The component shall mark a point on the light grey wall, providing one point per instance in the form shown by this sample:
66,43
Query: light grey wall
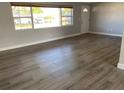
11,38
107,18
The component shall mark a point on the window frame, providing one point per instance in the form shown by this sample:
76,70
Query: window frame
72,16
23,17
31,17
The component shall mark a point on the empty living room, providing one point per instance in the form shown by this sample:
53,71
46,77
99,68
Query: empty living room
61,45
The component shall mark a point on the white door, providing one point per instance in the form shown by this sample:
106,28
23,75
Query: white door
85,14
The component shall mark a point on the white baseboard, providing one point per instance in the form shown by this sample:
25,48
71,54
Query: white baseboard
100,33
38,42
120,66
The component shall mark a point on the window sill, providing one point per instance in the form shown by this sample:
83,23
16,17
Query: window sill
32,29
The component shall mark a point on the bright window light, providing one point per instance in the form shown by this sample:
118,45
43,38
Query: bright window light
42,17
26,17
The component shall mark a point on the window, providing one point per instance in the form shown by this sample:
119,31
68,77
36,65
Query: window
41,17
66,16
22,17
45,17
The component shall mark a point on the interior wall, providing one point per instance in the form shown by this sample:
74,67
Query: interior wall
11,38
107,18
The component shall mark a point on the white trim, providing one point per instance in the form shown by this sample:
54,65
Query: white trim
38,42
120,66
101,33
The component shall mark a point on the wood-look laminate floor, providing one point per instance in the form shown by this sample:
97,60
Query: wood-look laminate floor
84,62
